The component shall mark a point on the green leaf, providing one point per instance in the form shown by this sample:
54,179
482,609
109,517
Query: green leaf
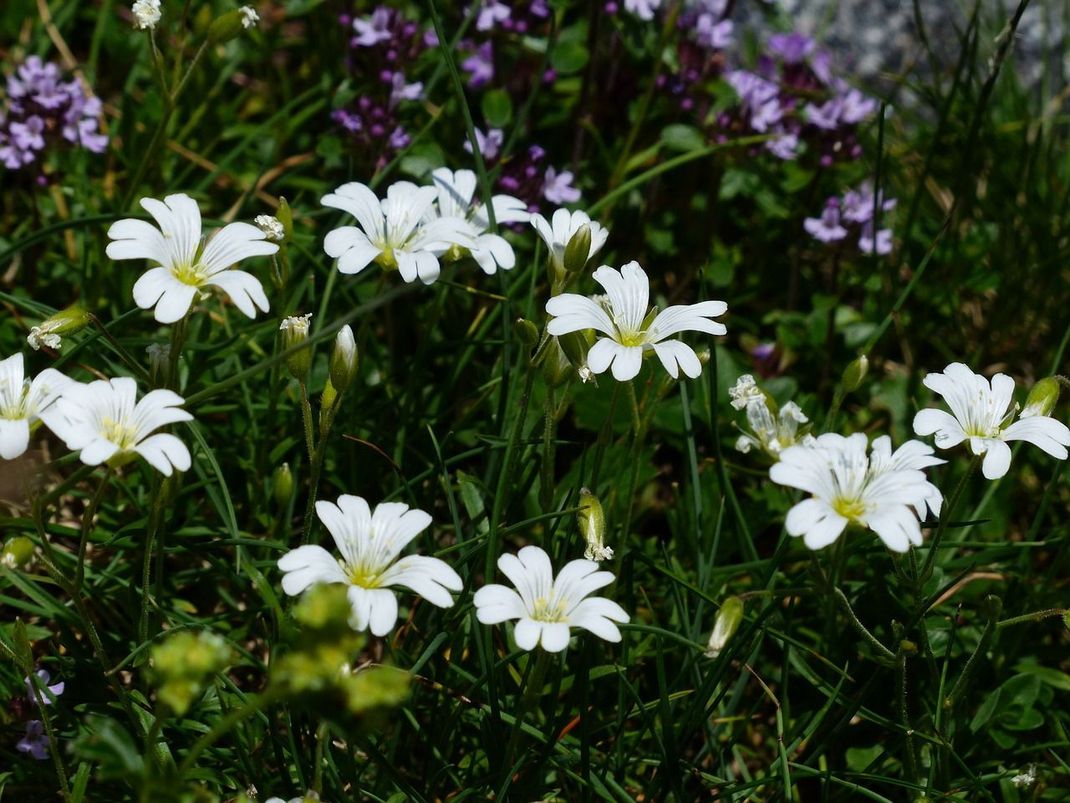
680,137
1052,677
497,108
570,55
985,712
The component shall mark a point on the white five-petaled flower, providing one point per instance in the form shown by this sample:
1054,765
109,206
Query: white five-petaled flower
982,412
370,542
882,491
546,607
559,230
456,201
772,430
184,265
249,17
624,320
393,232
146,14
23,403
104,422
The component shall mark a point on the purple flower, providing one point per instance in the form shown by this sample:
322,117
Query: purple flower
557,187
883,242
858,204
43,678
399,90
490,144
491,12
713,34
826,228
784,147
35,742
399,138
791,48
826,116
643,9
480,66
373,29
856,107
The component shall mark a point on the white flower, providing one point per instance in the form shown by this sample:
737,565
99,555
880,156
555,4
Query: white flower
296,325
146,14
1024,780
744,392
185,266
43,336
643,9
393,232
249,17
271,226
547,607
628,332
456,200
881,491
23,403
102,421
982,412
771,430
370,542
559,230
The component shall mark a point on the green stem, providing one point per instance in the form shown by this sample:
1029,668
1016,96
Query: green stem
306,417
863,631
224,726
494,537
317,770
905,649
532,691
87,526
945,516
549,435
155,520
982,646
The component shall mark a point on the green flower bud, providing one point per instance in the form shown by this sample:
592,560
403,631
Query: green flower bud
295,332
576,345
556,368
285,216
328,399
592,523
1042,398
344,360
527,332
183,663
65,322
854,374
324,608
282,485
991,606
17,553
725,625
578,250
226,27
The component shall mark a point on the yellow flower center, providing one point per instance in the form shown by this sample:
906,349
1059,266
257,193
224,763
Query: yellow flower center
851,509
631,338
119,432
548,610
360,576
189,274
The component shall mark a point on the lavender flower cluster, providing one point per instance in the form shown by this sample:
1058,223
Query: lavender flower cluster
699,53
35,741
793,95
43,109
853,216
494,16
381,43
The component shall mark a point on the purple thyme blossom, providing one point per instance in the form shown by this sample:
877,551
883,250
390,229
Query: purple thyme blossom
643,9
826,228
42,109
856,107
713,34
490,144
399,90
760,98
865,240
491,12
43,678
557,187
785,146
480,65
373,29
858,204
791,48
35,742
373,127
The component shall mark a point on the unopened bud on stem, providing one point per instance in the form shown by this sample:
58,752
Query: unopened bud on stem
344,359
725,625
295,332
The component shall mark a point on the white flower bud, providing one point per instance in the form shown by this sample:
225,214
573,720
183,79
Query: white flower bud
146,14
724,627
295,332
249,17
272,227
592,521
343,364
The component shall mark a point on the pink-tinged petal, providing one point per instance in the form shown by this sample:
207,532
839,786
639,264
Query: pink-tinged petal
1043,432
526,634
306,566
497,603
555,636
997,459
152,284
175,302
243,289
14,437
162,451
